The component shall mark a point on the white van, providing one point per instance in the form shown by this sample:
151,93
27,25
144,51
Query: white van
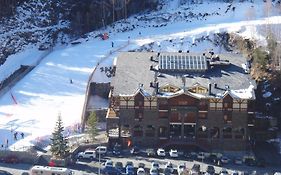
46,170
101,150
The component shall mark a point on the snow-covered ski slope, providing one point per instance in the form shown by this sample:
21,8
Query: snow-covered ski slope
33,104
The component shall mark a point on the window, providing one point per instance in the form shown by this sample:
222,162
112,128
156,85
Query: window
239,133
139,114
227,132
162,131
215,133
137,131
226,105
150,130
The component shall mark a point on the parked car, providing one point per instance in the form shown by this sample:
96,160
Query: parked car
195,169
150,152
108,163
141,165
181,167
173,153
110,171
88,154
249,160
223,172
154,171
140,171
161,152
101,150
117,149
210,169
155,165
119,166
238,161
130,170
170,167
213,158
201,156
129,163
188,156
235,173
135,150
166,171
225,160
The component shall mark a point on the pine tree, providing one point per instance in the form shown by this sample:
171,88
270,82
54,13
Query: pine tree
92,125
59,145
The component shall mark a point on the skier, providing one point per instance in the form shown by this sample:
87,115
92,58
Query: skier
16,136
22,135
112,44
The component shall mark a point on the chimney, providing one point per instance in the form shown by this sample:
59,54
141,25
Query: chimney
226,87
216,85
151,58
210,89
157,88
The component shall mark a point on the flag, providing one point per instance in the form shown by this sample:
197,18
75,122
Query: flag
129,143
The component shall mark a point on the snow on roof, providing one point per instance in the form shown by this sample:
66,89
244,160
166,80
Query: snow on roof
243,93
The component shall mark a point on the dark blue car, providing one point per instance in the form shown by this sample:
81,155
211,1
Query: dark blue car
109,170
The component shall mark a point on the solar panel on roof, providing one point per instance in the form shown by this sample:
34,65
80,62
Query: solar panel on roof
182,62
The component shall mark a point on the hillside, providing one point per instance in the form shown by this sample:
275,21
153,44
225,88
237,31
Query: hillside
39,24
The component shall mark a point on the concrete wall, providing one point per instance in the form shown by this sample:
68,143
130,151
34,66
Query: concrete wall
23,157
101,89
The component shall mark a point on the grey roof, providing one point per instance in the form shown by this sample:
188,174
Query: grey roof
134,68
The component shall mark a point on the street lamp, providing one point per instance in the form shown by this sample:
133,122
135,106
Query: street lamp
99,159
103,23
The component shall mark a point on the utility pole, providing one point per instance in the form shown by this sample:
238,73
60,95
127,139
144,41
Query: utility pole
99,160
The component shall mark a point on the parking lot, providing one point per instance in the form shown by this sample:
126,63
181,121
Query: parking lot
142,157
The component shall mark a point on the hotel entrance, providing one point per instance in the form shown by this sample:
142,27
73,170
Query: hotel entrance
182,123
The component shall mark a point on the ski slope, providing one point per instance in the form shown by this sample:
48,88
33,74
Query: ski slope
33,104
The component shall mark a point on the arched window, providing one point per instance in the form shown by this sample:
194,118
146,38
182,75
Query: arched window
227,132
239,133
215,133
150,131
162,132
137,131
